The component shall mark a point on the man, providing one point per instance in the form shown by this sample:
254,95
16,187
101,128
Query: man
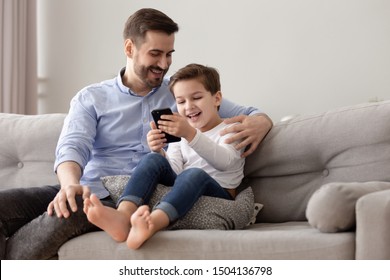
105,134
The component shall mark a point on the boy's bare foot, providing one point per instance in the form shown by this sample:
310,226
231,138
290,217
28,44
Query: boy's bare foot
115,223
142,227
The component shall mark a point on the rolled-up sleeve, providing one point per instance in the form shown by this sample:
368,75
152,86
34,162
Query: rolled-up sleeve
77,136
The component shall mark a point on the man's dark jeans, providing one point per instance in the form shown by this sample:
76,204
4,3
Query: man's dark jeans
28,232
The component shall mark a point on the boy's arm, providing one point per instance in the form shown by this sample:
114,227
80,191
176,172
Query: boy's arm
220,155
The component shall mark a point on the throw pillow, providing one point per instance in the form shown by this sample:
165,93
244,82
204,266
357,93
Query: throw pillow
332,207
207,213
258,207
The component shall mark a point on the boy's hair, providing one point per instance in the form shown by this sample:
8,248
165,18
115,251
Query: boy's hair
208,76
145,20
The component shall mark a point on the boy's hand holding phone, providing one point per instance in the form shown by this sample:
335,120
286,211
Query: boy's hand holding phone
157,116
174,126
156,138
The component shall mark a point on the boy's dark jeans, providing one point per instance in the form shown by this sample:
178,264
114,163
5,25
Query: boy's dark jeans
28,232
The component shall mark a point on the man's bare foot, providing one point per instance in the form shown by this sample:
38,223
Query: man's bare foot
115,223
142,227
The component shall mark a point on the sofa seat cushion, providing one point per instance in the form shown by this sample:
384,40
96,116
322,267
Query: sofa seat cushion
283,241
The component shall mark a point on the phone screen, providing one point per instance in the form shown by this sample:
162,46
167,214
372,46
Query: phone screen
157,115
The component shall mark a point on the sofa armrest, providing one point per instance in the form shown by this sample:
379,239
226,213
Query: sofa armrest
373,226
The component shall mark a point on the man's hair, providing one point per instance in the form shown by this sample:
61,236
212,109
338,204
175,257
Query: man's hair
145,20
208,76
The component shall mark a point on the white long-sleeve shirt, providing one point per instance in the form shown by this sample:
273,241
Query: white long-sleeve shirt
209,152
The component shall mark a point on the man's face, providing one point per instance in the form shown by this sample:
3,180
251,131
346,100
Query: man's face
153,57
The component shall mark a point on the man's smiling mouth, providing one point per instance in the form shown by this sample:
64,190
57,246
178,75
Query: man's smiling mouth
156,71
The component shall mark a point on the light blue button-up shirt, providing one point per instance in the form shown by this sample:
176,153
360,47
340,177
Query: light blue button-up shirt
106,127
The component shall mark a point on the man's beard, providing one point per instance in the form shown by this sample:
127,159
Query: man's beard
142,72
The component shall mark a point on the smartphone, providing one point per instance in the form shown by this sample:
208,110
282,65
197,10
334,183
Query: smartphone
156,117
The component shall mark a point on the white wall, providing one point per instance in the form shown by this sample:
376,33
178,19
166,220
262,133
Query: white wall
286,57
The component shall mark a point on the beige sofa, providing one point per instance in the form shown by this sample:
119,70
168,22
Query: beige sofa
323,181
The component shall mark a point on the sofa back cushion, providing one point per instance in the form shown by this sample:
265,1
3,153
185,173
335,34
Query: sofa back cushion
298,156
27,147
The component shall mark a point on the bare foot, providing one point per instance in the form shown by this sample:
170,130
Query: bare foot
115,223
142,227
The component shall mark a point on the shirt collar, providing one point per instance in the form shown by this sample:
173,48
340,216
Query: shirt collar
127,90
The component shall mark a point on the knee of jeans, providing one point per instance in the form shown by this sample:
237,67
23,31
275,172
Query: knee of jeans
79,212
153,156
152,160
194,173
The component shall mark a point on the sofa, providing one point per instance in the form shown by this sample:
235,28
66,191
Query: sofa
323,181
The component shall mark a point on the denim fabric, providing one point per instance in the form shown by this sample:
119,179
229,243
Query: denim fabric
151,170
187,187
29,231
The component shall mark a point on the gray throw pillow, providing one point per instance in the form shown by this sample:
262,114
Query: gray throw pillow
207,213
332,207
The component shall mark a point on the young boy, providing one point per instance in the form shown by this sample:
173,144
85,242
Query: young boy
200,164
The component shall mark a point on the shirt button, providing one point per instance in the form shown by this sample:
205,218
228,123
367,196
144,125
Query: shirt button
20,164
325,172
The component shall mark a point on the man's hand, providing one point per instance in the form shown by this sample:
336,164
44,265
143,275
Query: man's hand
67,195
249,131
69,174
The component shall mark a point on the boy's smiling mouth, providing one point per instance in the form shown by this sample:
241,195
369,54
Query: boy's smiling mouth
193,116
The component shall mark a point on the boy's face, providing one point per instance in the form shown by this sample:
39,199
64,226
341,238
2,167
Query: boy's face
197,104
152,58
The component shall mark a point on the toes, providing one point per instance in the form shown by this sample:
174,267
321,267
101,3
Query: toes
95,200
